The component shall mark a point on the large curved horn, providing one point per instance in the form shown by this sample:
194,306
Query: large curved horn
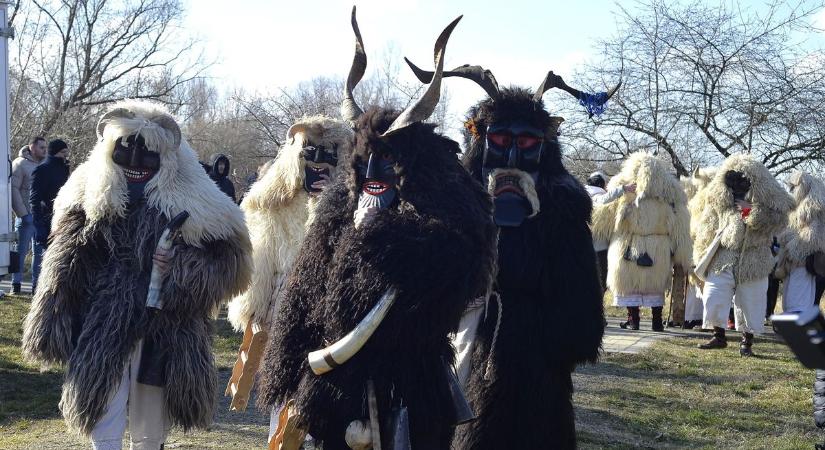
110,115
593,102
326,359
480,75
349,109
424,107
168,123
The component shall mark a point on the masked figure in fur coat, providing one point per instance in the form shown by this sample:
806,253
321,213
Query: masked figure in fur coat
742,209
278,207
90,312
277,210
802,242
649,234
516,351
402,241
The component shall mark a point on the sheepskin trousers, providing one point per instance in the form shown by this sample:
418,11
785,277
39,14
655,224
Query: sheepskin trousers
749,302
144,405
693,303
799,290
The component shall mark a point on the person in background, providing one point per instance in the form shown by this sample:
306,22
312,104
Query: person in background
595,187
220,173
21,177
47,179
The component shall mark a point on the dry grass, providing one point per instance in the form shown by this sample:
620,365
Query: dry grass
671,396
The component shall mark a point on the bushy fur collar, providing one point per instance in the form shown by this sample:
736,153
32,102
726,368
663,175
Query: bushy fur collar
765,190
98,185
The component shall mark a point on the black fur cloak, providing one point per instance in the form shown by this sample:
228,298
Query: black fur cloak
436,247
89,310
550,306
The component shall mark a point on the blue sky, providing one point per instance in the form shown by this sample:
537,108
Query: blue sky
263,45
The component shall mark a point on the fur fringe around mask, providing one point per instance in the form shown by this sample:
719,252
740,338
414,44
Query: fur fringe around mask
89,310
277,209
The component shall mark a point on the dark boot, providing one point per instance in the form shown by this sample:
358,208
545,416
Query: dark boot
745,347
15,288
731,320
718,340
657,318
691,324
632,318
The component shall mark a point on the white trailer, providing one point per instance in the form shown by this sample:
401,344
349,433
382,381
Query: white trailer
7,236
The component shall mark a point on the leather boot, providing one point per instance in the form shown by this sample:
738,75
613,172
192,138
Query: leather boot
632,318
15,288
745,347
657,318
718,340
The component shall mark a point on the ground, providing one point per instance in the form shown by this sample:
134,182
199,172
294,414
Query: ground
669,395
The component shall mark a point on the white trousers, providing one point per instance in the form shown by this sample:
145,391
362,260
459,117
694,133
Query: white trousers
146,410
693,303
749,302
645,300
799,290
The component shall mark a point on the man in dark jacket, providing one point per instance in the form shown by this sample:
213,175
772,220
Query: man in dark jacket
219,173
47,179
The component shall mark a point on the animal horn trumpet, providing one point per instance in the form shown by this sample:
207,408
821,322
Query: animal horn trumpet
326,359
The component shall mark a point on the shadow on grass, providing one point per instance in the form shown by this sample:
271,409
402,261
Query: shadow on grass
598,428
27,394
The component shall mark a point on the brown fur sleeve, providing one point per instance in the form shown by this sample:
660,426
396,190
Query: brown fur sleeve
201,279
68,268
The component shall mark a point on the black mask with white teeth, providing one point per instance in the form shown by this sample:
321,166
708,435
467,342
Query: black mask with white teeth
138,163
319,164
380,180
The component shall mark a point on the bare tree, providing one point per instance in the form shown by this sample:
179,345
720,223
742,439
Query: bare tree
72,56
702,82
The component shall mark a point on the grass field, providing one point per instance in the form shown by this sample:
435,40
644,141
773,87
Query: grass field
670,396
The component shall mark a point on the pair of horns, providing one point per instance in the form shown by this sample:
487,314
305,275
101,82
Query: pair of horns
417,112
487,81
165,122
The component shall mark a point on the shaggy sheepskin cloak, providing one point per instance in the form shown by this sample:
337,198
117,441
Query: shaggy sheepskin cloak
89,310
654,221
805,234
436,247
745,246
549,316
277,209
